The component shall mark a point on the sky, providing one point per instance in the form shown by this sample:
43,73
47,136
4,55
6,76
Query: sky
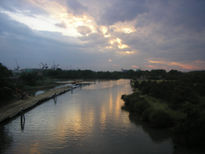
107,35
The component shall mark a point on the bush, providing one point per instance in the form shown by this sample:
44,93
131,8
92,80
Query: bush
157,113
5,76
191,131
135,103
6,93
6,84
30,78
160,118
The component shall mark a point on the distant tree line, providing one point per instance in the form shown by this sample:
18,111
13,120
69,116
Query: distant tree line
34,77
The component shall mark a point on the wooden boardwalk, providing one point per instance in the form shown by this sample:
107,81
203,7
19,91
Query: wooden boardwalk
16,108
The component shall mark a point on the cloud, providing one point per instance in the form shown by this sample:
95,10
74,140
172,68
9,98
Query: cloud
16,40
120,10
25,5
62,25
184,13
84,30
194,65
170,32
76,7
135,67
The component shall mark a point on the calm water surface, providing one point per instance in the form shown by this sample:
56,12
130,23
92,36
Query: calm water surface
87,121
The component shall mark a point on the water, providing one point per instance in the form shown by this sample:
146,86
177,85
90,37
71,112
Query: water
39,92
85,121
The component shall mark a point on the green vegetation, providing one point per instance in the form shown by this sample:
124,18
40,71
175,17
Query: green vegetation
5,83
21,83
172,100
151,110
86,74
15,86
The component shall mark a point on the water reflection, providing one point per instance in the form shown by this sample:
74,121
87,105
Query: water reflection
5,139
23,120
55,99
35,148
89,120
71,90
157,135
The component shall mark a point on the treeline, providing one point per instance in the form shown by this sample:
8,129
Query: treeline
27,79
15,84
176,101
89,74
6,86
34,76
84,74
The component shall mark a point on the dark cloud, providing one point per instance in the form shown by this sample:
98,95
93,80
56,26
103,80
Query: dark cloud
10,27
76,7
11,4
123,10
190,14
176,30
184,13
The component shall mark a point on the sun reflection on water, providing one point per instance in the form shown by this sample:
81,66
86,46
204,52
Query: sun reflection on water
74,118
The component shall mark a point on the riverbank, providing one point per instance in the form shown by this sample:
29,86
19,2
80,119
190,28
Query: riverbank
157,113
173,105
16,108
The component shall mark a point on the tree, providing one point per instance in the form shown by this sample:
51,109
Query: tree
6,85
5,76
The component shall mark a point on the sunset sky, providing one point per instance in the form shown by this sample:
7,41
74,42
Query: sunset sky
103,34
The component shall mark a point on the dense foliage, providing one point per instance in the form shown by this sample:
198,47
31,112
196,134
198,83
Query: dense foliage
173,100
6,85
86,74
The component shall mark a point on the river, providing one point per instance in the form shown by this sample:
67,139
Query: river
87,120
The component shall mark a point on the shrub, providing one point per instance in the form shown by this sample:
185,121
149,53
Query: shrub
191,131
30,78
160,118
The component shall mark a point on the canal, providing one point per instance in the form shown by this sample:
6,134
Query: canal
87,120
